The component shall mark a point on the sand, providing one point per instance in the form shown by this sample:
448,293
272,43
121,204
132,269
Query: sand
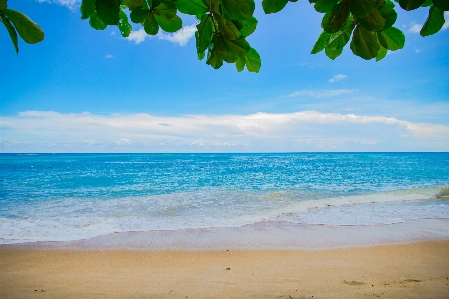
413,270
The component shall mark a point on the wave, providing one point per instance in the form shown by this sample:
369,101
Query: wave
74,218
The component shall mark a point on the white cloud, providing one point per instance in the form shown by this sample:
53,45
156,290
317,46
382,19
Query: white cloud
138,36
446,17
113,33
322,93
417,51
337,78
47,131
180,37
69,3
109,56
123,141
415,28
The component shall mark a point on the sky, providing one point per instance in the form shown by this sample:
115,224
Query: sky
83,90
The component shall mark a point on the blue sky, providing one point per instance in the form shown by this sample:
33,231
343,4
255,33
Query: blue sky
82,90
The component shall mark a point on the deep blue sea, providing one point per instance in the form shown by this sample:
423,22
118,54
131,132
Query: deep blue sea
47,197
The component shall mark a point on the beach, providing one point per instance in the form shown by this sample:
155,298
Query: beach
299,225
267,260
412,270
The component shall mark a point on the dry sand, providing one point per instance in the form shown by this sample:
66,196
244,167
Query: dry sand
416,270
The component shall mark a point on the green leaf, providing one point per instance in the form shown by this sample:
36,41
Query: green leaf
215,60
411,4
361,8
108,11
204,33
339,39
96,23
389,3
321,42
12,32
336,19
139,15
87,8
215,55
29,31
441,4
4,4
239,9
154,3
246,27
381,53
392,39
166,10
225,53
372,22
427,3
325,5
134,4
240,64
390,16
434,22
273,6
150,25
200,54
379,4
123,25
364,43
253,61
229,58
192,7
332,54
238,47
169,25
216,6
227,28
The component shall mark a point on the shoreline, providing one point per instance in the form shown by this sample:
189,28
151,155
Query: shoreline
412,270
266,235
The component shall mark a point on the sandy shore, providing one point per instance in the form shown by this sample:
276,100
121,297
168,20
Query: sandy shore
414,270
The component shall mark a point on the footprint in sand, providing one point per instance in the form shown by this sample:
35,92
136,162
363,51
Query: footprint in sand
353,283
411,280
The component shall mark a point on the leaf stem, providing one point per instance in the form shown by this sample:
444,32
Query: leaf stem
211,14
215,26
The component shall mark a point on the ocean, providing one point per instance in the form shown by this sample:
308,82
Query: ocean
62,197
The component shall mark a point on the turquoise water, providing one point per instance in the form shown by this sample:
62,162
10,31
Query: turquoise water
75,196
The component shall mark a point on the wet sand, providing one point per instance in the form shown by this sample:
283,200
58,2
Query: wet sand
412,270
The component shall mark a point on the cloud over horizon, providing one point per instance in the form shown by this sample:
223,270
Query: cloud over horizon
48,131
322,93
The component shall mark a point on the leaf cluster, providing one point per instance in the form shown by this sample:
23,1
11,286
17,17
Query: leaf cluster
222,32
222,29
16,22
368,24
224,25
102,13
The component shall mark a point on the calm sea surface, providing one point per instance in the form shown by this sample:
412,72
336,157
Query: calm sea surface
76,196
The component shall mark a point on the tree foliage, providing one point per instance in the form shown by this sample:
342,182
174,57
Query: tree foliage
224,25
16,22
